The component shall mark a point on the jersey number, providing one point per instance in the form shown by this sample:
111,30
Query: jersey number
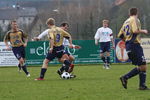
57,37
126,29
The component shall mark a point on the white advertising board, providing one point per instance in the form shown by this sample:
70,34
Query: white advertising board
146,48
7,57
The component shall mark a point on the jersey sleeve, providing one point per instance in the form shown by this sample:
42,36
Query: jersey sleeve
44,33
24,35
121,33
7,37
97,35
65,34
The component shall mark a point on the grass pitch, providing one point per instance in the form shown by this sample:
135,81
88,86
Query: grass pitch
92,83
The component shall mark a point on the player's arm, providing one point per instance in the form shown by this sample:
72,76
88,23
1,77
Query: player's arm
97,37
112,40
67,36
121,34
44,33
6,39
51,40
25,38
135,27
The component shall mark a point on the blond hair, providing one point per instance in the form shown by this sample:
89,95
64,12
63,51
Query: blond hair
105,21
50,21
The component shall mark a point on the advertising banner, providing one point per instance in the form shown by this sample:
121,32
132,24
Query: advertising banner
146,48
121,54
89,53
7,57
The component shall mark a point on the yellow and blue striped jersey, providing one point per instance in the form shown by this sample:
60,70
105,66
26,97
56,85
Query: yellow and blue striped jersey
16,38
127,32
58,35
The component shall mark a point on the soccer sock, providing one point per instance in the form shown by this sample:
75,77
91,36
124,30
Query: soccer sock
67,64
108,59
24,68
43,71
103,58
132,73
19,66
62,68
142,77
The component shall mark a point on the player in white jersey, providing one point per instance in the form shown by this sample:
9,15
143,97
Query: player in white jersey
104,35
66,43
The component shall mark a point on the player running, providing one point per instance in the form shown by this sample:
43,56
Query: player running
104,35
130,33
18,40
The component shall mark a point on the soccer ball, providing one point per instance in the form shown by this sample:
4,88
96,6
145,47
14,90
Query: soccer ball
65,75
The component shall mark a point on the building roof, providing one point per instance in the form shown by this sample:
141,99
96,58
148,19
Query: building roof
14,13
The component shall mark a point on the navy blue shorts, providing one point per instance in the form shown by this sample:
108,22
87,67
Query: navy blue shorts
135,53
19,52
57,52
104,47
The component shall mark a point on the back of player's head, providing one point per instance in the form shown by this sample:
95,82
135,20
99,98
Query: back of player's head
105,21
50,21
133,11
64,24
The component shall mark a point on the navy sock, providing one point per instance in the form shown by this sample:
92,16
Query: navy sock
67,62
142,78
62,68
103,58
132,73
19,66
24,68
43,71
108,60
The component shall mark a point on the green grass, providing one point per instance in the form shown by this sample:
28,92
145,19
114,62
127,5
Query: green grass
92,83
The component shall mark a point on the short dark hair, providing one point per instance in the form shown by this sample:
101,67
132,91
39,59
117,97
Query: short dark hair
13,21
133,11
64,24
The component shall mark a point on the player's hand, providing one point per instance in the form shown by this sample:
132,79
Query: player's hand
145,31
113,46
74,46
8,47
50,50
35,39
25,44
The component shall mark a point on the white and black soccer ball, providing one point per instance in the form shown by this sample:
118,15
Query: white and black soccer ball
65,75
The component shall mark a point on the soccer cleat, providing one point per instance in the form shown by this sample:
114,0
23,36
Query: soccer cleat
124,82
72,76
28,75
39,79
59,72
144,88
105,65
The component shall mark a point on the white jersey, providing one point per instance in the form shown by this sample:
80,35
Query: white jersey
103,34
66,42
44,33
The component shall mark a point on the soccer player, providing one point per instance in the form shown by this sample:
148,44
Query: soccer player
18,40
104,35
130,33
66,44
55,35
